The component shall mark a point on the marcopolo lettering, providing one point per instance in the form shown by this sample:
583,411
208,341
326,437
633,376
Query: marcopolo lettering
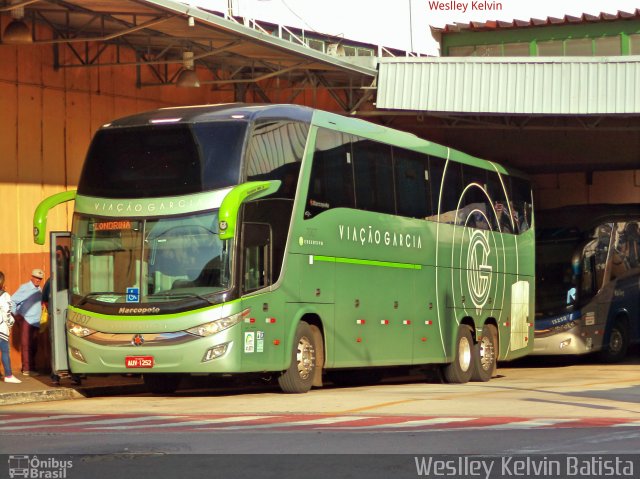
148,310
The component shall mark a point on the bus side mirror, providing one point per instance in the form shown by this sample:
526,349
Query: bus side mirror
40,215
231,203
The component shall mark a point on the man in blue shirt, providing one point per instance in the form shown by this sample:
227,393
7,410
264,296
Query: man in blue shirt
27,310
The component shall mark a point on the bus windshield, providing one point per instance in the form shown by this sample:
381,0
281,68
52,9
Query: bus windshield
163,259
163,160
557,281
572,268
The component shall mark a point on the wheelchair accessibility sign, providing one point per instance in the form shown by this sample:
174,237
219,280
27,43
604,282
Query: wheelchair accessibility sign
133,295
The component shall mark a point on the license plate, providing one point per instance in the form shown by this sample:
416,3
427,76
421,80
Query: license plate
138,361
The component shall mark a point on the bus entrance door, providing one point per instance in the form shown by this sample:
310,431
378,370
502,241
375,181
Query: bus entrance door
59,300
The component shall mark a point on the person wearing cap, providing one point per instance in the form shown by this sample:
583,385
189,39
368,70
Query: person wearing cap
27,309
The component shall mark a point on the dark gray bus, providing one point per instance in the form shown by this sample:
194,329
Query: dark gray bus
588,281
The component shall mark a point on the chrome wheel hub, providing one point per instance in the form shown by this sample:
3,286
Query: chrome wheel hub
464,354
305,357
487,353
615,343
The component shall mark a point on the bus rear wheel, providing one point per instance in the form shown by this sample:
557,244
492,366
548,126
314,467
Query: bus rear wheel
486,355
616,348
162,383
459,371
298,378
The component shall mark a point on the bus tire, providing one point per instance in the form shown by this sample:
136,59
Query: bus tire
298,378
459,371
161,383
485,359
616,348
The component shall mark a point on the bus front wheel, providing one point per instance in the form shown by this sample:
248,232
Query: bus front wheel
486,355
615,349
298,378
459,371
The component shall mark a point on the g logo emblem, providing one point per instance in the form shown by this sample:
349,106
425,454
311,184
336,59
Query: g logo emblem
478,268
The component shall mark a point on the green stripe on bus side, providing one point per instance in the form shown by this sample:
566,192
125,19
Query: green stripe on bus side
157,317
384,264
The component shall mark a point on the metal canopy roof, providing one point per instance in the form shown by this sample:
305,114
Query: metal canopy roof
161,30
511,86
493,25
539,114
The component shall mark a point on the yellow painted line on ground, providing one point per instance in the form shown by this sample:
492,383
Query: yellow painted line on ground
381,405
631,381
474,394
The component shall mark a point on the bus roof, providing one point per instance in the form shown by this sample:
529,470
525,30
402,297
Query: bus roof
403,139
206,113
253,112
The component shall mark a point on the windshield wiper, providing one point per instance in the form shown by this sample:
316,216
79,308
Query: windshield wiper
88,296
170,295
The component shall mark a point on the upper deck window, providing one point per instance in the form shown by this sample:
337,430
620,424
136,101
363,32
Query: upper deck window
163,160
274,152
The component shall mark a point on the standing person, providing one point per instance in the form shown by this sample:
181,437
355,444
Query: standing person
6,322
28,309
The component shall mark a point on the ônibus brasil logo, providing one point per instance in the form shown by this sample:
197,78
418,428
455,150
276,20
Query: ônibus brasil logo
38,468
478,269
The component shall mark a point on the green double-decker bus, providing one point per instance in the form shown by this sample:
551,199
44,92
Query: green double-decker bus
279,239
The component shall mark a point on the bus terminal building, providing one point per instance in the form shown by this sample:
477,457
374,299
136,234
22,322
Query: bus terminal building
555,98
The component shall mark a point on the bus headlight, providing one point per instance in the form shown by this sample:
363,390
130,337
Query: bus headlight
215,352
218,325
79,330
